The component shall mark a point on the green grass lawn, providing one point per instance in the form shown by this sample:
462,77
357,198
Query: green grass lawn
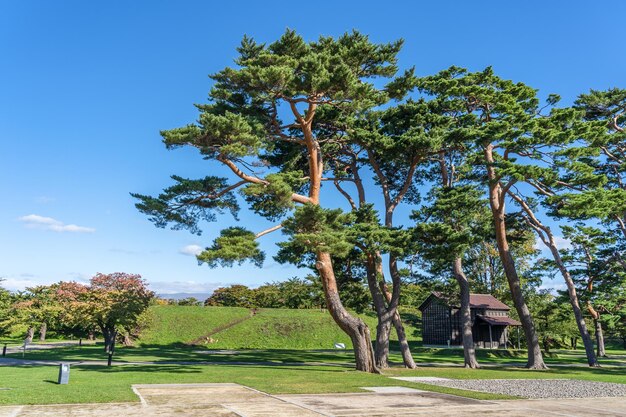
185,353
36,385
276,351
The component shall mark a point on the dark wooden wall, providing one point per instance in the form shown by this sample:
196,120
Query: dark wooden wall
436,323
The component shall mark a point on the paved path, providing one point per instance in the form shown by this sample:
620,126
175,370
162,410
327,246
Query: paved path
233,400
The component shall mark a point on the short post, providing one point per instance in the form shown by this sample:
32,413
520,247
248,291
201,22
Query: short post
4,350
64,373
80,342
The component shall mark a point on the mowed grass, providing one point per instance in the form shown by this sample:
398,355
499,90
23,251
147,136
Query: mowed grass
183,324
276,351
36,385
266,329
284,329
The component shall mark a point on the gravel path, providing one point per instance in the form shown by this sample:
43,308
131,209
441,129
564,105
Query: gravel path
538,388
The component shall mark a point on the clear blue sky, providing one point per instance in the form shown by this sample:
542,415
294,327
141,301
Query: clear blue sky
85,88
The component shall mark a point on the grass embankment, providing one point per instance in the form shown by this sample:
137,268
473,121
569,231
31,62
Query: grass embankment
267,329
183,324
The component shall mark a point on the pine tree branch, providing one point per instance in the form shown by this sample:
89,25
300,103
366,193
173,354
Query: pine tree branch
345,194
268,231
298,198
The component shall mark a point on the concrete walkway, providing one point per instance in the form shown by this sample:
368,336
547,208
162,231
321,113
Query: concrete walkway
233,400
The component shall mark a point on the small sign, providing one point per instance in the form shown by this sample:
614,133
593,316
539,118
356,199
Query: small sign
340,345
64,373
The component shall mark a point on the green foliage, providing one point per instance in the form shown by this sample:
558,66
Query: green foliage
6,300
232,296
312,229
188,202
189,301
273,199
293,293
453,223
235,245
242,128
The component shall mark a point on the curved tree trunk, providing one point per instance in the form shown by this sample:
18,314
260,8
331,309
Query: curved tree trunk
496,202
599,338
42,331
598,328
387,313
578,314
405,349
535,359
383,327
546,236
355,327
469,352
385,304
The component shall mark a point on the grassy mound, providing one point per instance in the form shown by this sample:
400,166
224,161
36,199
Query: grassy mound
236,328
183,324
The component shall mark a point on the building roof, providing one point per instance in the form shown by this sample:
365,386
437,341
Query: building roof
487,301
499,320
483,301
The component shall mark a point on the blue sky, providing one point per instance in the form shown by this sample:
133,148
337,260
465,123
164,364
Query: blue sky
85,88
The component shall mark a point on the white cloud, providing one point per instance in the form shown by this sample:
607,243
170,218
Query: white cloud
21,282
562,243
34,221
191,250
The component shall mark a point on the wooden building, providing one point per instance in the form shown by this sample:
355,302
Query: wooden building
441,321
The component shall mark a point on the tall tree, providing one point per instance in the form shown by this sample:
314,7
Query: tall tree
448,227
273,97
497,118
605,110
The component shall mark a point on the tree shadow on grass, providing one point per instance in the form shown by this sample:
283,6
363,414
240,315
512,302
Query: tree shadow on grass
176,369
184,353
